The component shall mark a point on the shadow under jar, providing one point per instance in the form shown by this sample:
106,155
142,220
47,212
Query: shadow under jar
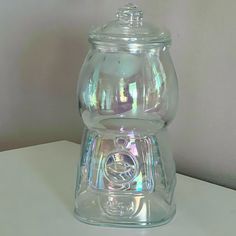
127,95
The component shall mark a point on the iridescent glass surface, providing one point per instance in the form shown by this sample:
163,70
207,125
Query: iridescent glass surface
127,95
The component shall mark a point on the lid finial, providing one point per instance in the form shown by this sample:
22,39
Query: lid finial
130,14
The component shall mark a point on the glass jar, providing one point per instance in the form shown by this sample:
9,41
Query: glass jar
127,95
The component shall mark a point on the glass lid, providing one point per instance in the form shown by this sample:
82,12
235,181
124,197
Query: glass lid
129,27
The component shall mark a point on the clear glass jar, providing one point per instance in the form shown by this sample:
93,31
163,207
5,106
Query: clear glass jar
127,95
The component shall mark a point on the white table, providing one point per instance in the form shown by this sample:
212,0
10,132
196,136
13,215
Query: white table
37,193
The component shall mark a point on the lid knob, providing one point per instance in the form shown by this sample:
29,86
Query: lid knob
130,14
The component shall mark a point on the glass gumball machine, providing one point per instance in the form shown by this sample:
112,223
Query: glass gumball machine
127,95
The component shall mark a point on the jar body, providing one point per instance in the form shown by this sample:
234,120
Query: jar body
126,176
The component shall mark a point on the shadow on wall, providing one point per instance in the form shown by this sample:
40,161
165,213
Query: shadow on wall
43,107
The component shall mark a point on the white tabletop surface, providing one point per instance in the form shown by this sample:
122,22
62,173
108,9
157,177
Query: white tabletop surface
37,193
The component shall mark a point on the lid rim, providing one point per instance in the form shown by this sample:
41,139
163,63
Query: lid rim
128,40
134,46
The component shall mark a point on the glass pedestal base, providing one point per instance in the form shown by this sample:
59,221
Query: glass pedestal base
125,181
